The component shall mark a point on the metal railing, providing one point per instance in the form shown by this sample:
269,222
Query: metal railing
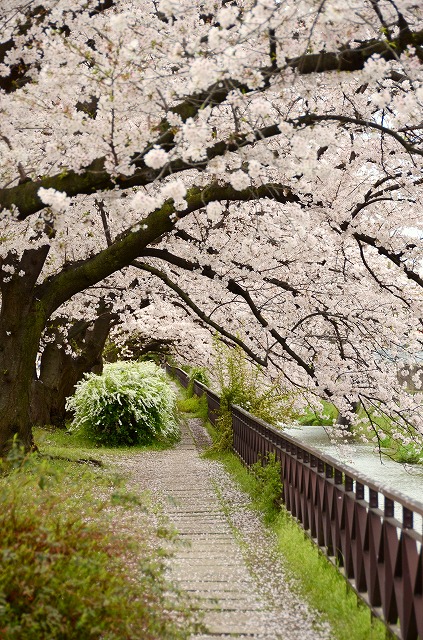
213,400
372,533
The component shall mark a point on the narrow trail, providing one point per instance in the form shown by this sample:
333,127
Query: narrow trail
222,555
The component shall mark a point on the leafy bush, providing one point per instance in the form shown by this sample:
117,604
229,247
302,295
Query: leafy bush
268,492
130,403
244,383
75,564
197,374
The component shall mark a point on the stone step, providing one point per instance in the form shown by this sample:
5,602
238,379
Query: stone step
235,622
228,604
207,561
215,587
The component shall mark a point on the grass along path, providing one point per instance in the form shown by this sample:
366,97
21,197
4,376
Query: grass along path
80,556
222,554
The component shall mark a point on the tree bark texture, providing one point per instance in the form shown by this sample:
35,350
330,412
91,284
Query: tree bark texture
60,371
22,320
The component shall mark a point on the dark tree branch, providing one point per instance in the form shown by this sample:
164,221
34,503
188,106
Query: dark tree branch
80,275
391,255
311,119
177,261
105,221
347,59
238,290
377,279
376,9
95,178
203,317
273,50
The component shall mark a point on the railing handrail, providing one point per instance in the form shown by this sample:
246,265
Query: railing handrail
207,389
351,472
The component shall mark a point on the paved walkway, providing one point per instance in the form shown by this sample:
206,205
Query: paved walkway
222,554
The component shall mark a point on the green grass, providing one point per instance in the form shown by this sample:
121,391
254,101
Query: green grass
194,405
410,453
75,445
314,577
79,555
311,417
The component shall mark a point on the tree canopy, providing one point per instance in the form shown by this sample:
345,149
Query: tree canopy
256,164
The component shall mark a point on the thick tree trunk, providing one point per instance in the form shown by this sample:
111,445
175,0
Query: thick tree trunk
22,320
17,357
60,371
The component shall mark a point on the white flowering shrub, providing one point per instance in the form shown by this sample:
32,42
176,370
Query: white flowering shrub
130,403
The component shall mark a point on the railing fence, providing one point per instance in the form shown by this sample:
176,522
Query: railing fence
372,533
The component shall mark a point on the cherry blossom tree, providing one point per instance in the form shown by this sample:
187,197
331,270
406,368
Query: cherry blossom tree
260,160
61,367
73,342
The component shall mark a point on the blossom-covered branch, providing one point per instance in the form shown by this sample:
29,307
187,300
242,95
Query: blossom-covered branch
198,312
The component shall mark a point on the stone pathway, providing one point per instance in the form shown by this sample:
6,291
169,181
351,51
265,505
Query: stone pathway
222,555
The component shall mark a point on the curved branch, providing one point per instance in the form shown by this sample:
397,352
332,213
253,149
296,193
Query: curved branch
371,198
391,255
347,59
94,178
177,261
82,274
312,118
205,270
203,317
235,288
377,279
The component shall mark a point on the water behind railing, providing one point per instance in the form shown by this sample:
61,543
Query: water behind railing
406,478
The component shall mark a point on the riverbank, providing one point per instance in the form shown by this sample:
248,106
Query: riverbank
404,477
